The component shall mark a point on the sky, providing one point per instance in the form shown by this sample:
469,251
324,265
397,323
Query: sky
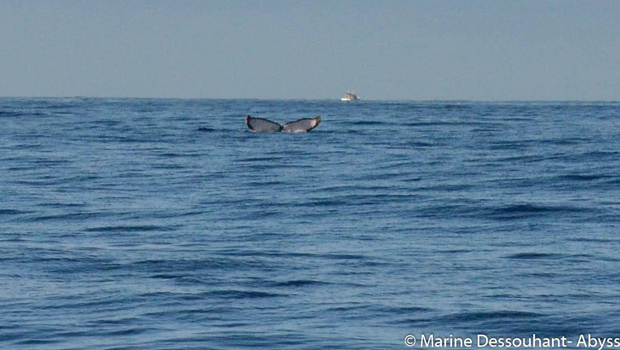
383,50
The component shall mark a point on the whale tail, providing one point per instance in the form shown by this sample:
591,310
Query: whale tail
266,125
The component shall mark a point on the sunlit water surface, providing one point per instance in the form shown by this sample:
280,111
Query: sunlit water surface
166,224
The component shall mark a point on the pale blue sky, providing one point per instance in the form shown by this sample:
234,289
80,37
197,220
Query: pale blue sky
412,50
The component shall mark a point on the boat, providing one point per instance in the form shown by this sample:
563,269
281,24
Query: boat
351,96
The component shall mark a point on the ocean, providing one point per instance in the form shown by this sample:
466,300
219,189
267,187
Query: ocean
167,224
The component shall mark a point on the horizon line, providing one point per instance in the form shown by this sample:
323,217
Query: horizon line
298,99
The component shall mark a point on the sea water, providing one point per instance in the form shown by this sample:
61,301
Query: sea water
167,224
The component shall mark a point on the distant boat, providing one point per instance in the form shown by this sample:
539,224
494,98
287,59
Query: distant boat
351,96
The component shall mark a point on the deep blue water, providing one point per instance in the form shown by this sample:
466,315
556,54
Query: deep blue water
166,224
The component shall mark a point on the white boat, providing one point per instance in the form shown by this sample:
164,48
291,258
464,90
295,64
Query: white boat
351,96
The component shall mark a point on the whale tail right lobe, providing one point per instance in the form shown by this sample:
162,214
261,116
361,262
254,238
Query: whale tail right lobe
302,125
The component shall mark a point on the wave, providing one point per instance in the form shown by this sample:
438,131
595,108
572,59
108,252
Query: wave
535,256
130,228
520,211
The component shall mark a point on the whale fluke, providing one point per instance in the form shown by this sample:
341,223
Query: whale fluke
265,125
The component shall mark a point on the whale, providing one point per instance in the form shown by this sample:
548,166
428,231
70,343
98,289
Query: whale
266,125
